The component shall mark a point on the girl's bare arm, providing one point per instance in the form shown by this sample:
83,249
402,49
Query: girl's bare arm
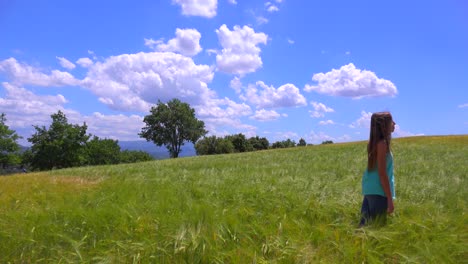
382,170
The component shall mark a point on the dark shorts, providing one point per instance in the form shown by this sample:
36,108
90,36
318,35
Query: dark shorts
374,209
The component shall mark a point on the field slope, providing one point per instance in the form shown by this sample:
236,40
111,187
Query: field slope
298,205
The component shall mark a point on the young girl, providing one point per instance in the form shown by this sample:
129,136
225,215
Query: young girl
377,182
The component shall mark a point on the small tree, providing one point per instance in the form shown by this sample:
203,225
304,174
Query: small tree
132,156
9,148
60,146
213,145
259,143
284,144
171,125
327,142
302,143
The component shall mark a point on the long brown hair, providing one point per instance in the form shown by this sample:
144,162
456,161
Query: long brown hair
379,130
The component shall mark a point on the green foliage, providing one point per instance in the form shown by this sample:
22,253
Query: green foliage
9,147
60,146
229,144
171,125
327,142
102,151
213,145
302,143
258,143
284,144
296,205
240,143
132,156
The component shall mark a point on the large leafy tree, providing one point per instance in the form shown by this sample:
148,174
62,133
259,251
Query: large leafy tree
102,151
62,145
9,148
171,125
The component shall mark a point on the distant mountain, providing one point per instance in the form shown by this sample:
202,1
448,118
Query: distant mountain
188,149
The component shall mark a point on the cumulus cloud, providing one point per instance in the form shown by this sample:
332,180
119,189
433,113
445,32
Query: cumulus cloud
24,109
203,8
320,110
327,122
213,108
233,2
24,74
118,127
317,138
264,96
265,115
84,62
271,7
402,133
186,42
240,53
348,81
66,63
261,20
363,121
133,82
279,136
236,84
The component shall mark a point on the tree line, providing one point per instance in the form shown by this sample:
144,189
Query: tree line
61,145
172,124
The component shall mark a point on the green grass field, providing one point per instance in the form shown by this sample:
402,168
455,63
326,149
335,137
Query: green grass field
298,205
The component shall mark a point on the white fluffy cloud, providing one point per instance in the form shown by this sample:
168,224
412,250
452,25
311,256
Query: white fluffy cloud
84,62
264,96
317,138
271,7
66,63
186,42
133,82
236,84
25,74
463,105
327,122
351,82
118,127
213,108
240,53
23,106
203,8
401,133
23,109
363,121
265,115
320,110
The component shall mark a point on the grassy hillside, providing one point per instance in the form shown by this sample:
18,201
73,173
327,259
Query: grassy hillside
298,205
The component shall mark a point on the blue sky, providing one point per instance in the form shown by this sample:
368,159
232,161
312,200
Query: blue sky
277,69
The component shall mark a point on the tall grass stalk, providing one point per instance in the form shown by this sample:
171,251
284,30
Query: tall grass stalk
298,205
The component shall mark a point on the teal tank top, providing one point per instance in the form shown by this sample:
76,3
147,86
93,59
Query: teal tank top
371,180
